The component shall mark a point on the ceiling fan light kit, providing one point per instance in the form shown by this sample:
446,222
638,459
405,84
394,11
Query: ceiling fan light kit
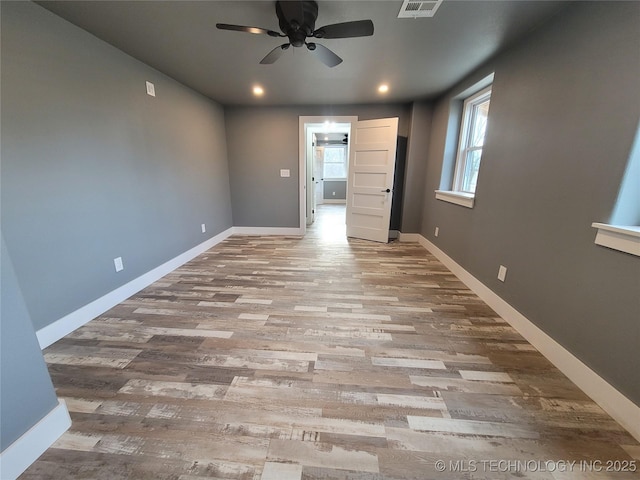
297,19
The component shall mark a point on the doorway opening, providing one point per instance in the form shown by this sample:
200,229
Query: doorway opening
370,172
323,138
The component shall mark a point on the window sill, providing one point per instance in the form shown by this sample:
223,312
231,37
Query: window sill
618,237
459,198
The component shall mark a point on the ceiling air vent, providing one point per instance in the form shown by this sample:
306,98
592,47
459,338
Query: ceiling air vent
419,8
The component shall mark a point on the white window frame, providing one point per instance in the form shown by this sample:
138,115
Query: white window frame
465,132
346,161
618,237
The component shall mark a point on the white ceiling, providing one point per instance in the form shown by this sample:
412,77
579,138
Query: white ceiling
418,58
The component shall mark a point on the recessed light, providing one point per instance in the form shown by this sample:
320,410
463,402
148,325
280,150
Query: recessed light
258,91
384,88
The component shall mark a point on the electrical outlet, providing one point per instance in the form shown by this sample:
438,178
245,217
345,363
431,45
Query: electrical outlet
333,193
151,89
437,232
203,227
285,172
117,262
502,273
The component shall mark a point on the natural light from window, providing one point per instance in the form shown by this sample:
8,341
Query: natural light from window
475,116
335,162
622,232
469,110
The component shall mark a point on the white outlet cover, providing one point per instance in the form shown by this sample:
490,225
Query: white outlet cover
502,273
151,89
285,172
437,232
203,227
117,262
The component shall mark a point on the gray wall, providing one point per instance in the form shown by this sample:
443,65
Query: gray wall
26,387
263,140
417,148
339,187
93,168
563,117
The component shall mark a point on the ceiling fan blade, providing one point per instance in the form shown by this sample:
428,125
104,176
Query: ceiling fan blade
274,54
242,28
325,55
359,28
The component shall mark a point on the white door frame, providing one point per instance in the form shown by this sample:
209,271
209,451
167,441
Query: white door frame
305,123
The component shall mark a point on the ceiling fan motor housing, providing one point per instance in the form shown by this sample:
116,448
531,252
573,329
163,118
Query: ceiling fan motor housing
297,19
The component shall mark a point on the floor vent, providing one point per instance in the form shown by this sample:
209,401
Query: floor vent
419,8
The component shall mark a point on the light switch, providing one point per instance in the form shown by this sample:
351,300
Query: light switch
285,172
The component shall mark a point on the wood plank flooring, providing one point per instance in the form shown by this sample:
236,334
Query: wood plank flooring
319,358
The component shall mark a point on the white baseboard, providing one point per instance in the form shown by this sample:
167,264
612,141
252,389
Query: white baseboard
67,324
268,231
17,457
409,237
623,410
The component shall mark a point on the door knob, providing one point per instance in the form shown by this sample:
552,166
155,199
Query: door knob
387,190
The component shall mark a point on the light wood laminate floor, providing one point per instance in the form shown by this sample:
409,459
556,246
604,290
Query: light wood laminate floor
318,358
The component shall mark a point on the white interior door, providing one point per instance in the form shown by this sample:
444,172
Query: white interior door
370,179
318,173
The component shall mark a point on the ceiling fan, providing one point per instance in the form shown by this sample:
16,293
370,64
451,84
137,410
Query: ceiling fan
297,20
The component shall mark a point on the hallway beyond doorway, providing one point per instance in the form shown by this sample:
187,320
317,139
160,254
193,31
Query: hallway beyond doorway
330,224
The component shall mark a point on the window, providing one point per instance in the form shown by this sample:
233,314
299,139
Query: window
623,230
460,166
472,131
335,162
